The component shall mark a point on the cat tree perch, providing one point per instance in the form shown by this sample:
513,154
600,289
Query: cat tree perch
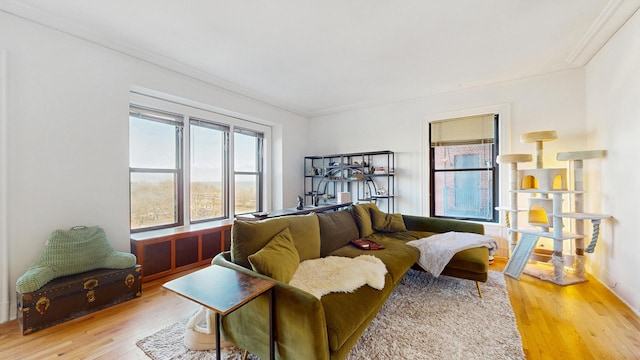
547,187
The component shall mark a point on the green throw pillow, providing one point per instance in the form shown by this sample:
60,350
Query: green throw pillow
362,215
278,259
247,237
387,222
337,229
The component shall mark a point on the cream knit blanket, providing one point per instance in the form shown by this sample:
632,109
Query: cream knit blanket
437,250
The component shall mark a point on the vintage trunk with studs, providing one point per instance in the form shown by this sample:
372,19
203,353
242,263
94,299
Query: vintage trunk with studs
73,296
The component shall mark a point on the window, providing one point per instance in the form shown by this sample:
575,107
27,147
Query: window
180,161
155,173
208,184
463,170
247,170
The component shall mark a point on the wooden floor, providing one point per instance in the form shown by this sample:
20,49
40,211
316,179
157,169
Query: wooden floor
583,321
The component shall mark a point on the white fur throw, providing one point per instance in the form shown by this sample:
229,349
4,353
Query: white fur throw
437,250
339,274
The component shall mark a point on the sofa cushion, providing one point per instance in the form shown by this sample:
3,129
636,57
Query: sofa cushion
337,228
402,235
361,213
473,260
386,222
397,256
278,259
247,237
345,313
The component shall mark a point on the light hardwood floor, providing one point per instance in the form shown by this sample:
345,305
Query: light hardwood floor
584,321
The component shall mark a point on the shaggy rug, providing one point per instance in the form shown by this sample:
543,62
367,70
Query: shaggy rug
426,318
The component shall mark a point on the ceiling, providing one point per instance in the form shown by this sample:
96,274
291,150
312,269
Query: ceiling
316,57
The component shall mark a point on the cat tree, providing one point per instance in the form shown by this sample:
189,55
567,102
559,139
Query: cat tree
547,187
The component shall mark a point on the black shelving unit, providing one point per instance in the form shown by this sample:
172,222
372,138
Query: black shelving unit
367,176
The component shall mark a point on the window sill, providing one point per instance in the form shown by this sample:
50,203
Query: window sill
180,230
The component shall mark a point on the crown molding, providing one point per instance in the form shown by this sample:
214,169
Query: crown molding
36,15
612,17
448,89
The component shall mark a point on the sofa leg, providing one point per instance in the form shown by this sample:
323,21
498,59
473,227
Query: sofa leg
479,290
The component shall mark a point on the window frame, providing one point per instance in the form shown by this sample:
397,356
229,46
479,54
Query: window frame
260,166
188,110
160,116
494,172
226,129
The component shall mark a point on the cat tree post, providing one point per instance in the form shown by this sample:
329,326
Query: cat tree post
557,259
539,137
578,158
511,213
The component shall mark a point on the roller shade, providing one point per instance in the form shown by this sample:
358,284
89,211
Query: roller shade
479,129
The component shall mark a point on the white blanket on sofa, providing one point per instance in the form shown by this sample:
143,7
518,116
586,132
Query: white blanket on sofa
339,274
437,250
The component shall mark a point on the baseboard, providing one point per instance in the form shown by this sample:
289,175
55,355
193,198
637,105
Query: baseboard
5,307
620,290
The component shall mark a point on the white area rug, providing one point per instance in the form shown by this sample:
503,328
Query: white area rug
427,318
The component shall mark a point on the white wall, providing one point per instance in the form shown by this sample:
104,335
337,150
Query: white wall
5,287
67,125
549,102
592,108
613,123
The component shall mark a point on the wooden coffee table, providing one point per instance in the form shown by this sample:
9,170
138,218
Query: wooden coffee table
224,290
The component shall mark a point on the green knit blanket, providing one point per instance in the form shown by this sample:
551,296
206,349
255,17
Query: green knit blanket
73,251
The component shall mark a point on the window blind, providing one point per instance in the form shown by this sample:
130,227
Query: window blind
159,116
466,130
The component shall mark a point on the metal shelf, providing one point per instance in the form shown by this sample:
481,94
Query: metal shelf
352,173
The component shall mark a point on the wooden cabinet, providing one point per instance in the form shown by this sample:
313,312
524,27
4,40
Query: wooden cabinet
165,252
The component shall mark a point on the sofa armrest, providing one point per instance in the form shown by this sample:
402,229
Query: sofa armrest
437,225
299,321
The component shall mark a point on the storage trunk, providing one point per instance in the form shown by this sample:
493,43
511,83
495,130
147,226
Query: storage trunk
73,296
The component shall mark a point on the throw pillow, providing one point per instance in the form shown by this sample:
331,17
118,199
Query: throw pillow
362,215
247,237
387,222
278,259
337,228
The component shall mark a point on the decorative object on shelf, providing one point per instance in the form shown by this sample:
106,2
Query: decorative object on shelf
300,205
547,213
343,197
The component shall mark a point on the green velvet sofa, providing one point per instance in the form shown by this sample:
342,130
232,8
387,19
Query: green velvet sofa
327,328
